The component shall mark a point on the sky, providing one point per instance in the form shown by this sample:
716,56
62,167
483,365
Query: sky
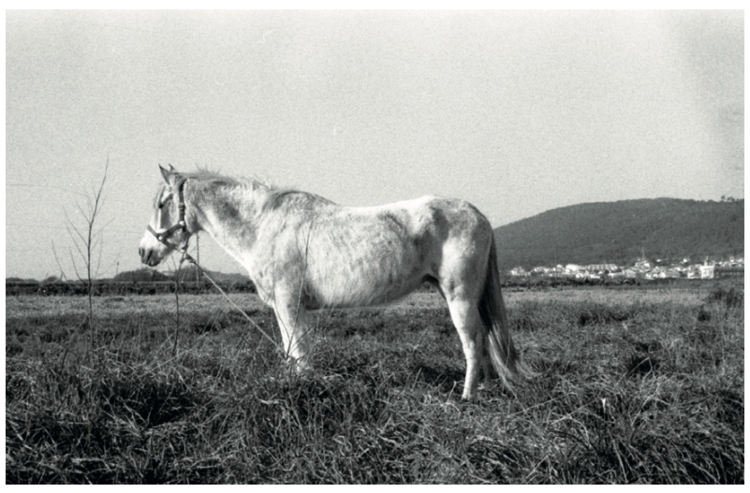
518,112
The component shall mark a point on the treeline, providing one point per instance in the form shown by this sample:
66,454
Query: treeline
141,281
543,283
110,287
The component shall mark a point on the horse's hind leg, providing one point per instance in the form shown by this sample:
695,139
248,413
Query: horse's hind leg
465,316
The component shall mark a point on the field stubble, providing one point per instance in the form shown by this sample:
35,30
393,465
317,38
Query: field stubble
633,386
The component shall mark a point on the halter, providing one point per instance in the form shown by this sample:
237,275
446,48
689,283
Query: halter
163,235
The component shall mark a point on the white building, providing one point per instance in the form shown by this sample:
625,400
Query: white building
707,271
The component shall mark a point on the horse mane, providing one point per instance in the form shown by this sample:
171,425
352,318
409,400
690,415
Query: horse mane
280,198
276,197
207,176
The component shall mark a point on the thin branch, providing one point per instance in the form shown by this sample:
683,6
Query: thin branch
69,223
78,247
75,265
57,261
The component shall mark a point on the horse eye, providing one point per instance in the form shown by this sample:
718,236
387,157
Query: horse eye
164,201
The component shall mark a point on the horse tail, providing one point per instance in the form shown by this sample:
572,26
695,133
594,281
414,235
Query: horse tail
500,349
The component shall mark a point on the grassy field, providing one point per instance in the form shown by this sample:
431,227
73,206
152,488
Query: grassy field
633,386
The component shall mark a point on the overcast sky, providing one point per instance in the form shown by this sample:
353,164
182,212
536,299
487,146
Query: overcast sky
518,112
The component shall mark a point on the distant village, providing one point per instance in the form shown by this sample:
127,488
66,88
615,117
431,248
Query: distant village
643,269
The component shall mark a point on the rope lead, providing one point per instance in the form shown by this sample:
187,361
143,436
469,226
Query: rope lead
189,258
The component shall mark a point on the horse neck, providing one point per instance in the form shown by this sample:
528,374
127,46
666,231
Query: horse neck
228,214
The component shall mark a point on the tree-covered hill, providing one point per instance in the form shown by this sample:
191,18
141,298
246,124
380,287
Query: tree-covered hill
620,232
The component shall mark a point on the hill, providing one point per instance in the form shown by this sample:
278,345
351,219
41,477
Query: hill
618,232
141,275
192,273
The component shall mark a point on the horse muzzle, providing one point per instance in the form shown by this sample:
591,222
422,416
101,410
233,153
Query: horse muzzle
148,257
150,251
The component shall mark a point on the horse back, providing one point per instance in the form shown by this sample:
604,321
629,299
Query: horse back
371,255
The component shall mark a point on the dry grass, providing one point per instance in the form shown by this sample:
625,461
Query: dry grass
633,387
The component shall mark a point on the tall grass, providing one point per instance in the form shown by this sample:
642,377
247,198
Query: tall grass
627,392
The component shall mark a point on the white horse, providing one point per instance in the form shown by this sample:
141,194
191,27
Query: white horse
304,252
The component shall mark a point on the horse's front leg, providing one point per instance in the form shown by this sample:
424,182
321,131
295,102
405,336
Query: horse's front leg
293,323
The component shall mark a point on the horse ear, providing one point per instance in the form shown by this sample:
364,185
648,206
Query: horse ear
166,174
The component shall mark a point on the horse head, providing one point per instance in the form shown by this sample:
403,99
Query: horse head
167,230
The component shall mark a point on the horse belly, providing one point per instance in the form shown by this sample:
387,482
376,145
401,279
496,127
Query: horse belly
374,267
